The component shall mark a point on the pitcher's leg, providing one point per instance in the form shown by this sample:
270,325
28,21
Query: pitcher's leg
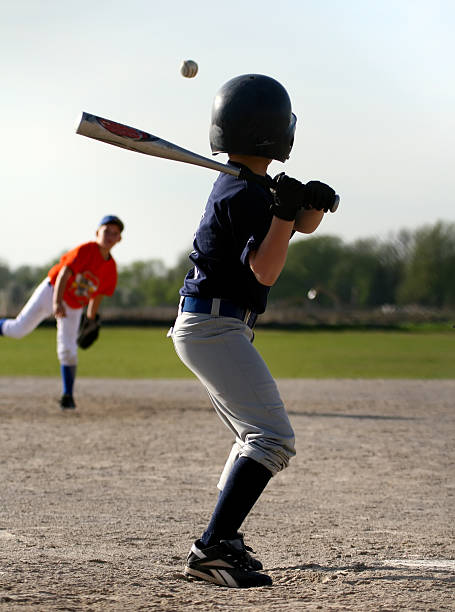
38,308
67,330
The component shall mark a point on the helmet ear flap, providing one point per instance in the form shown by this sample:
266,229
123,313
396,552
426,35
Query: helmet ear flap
252,115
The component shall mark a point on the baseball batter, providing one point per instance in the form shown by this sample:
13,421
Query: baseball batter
82,277
239,252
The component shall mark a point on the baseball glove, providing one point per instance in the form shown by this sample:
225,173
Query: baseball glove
89,330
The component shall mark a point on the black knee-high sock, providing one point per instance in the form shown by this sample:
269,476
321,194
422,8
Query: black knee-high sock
245,483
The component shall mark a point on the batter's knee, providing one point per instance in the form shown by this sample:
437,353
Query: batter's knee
274,454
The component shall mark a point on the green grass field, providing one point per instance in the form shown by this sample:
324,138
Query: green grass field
135,352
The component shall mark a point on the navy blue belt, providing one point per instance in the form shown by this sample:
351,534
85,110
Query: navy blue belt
218,307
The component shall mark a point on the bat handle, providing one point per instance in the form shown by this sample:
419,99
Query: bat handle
332,208
265,181
336,203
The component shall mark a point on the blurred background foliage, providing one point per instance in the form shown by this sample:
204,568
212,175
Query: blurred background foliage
408,268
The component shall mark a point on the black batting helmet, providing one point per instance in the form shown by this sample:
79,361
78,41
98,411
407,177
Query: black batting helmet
252,115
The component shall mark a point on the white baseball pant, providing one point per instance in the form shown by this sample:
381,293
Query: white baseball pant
38,308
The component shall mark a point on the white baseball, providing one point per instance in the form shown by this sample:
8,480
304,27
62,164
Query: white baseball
189,69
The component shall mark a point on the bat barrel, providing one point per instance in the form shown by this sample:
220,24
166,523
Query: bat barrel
130,138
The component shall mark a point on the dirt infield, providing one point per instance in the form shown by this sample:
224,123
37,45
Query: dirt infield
99,506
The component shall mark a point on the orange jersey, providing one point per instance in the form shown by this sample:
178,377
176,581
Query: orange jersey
91,275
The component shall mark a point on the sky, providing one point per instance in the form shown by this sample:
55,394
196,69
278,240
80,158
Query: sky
371,82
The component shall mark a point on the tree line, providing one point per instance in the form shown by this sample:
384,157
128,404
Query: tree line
410,267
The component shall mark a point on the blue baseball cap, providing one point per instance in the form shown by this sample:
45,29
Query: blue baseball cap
111,219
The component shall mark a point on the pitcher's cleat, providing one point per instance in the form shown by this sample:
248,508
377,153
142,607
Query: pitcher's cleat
67,402
226,564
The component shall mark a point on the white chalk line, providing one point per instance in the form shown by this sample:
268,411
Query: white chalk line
447,564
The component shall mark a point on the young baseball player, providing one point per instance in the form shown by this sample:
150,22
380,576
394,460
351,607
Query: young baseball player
82,277
239,252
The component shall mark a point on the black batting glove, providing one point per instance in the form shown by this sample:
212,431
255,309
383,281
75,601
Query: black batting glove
318,196
288,195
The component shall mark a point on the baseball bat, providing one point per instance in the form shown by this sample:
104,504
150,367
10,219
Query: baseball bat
131,138
142,142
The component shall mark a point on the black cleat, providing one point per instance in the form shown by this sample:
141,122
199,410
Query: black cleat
67,402
255,564
227,564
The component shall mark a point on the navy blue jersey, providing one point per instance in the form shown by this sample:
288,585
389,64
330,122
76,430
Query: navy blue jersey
237,218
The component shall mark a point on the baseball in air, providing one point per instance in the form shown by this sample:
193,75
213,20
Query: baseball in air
188,69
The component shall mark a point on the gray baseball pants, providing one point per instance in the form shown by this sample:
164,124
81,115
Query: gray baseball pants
219,351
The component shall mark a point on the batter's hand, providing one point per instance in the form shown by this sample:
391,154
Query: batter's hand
288,194
318,196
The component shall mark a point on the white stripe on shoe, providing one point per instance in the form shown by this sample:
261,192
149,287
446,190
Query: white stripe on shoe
228,579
